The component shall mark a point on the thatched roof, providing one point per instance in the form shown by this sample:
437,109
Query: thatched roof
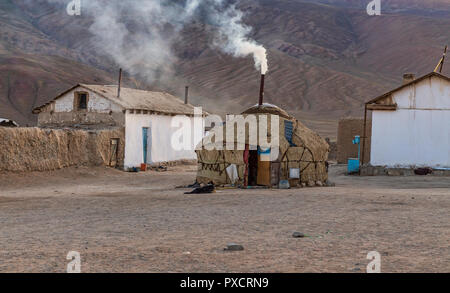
134,99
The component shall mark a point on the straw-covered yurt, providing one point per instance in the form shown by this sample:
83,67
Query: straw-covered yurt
300,159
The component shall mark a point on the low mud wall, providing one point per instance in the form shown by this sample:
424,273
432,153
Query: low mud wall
369,170
36,149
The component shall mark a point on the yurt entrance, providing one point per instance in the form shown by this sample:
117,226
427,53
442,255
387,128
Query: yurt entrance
253,168
258,170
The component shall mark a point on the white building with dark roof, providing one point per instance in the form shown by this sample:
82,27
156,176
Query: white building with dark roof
145,117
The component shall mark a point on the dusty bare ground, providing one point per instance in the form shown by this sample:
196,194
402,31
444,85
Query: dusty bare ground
123,222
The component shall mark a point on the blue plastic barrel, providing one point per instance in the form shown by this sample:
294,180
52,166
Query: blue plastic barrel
353,166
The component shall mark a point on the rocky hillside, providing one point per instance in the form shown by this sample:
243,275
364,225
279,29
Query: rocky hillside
326,57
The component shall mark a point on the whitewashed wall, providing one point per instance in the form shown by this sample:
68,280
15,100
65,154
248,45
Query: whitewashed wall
418,133
159,143
96,103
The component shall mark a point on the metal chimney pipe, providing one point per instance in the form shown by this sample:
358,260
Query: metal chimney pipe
408,77
120,83
261,90
186,95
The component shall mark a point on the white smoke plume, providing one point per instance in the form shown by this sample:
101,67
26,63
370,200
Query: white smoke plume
233,36
140,34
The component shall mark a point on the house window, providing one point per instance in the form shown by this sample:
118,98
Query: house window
81,101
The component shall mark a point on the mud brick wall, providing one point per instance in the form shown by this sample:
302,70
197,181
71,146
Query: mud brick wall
36,149
349,128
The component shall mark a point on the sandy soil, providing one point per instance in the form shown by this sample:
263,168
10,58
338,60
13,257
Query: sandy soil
123,222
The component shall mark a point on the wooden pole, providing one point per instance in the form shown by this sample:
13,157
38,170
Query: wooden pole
186,95
443,59
363,151
120,83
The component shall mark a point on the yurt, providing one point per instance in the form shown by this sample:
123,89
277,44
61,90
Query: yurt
301,158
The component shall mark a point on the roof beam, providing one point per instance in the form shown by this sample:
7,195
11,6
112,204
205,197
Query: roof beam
379,107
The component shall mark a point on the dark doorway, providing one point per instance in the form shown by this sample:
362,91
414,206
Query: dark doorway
253,168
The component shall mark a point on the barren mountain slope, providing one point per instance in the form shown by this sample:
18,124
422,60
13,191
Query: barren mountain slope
325,58
28,81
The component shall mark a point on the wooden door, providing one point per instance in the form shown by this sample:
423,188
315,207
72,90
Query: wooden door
114,152
263,172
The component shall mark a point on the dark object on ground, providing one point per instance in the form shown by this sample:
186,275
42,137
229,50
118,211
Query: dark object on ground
194,185
234,247
330,184
298,235
159,168
200,190
284,184
423,171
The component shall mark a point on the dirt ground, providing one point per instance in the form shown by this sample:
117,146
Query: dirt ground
124,222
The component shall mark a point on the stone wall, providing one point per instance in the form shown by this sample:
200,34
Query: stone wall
81,119
99,113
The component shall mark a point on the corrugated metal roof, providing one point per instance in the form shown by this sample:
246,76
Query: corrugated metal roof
386,95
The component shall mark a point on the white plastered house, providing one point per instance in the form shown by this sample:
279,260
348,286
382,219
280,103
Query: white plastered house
144,116
411,124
